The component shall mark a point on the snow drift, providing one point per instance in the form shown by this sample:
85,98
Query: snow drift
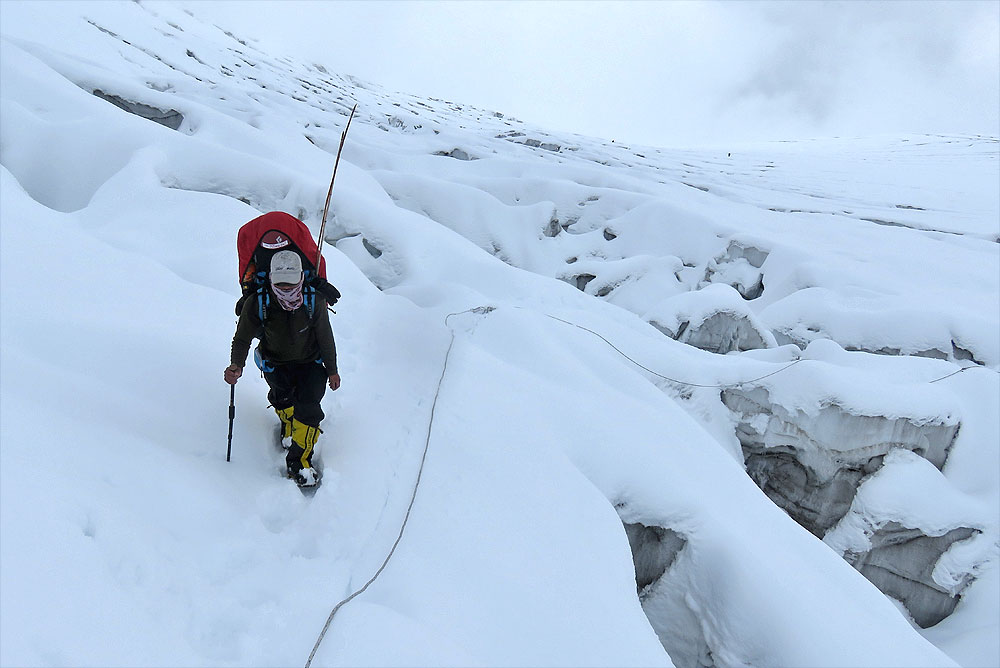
586,497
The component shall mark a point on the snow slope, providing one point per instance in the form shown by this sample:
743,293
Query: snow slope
127,539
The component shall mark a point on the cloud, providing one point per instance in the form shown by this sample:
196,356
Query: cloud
663,73
883,67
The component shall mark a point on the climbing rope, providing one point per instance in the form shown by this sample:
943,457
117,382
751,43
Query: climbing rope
413,497
482,310
960,371
742,382
672,380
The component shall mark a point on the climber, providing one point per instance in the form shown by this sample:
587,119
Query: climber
297,356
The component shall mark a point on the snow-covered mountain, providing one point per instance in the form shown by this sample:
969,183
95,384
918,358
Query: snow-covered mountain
693,408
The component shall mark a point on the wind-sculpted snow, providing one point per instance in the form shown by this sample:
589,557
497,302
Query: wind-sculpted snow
915,536
810,464
664,321
740,267
714,319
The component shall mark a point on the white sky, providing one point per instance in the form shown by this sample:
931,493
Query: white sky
662,73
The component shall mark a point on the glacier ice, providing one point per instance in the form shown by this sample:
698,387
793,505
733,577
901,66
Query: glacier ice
811,463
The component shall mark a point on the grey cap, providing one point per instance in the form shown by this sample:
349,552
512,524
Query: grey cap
286,267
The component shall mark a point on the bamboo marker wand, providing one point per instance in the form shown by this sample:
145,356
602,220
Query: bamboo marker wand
329,193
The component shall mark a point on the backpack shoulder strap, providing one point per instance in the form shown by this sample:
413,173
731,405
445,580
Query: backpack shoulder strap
309,298
309,295
263,297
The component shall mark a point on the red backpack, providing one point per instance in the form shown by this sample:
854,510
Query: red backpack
264,236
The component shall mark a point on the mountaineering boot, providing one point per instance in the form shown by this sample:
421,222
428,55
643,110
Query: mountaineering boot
299,457
285,415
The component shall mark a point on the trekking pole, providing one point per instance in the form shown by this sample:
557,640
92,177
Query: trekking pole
232,416
326,207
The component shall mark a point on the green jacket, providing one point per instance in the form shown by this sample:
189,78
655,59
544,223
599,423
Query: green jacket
285,337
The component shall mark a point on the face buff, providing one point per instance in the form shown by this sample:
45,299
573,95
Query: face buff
286,269
289,298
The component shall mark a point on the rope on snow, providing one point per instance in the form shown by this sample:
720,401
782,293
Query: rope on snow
672,380
966,368
413,498
742,382
482,310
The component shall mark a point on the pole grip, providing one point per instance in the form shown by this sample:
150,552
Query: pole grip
232,416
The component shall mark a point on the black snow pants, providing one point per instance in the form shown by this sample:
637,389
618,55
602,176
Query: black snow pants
302,386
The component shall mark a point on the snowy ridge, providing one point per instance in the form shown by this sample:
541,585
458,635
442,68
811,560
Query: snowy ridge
576,508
